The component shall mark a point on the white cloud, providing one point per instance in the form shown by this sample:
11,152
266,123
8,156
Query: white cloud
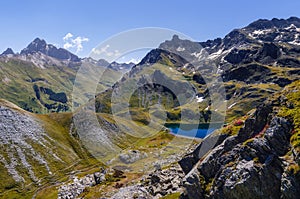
128,60
76,43
68,45
104,50
68,36
133,60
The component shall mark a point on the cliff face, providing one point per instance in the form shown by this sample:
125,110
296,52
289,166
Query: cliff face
261,161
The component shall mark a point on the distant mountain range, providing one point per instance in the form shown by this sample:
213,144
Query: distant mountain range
40,77
39,46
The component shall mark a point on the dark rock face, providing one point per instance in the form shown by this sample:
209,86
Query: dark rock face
236,38
250,73
238,56
282,82
257,123
153,57
268,53
289,62
290,186
211,43
278,135
187,162
198,78
193,186
41,46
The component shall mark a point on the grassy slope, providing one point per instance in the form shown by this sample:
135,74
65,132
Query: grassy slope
18,77
16,83
68,149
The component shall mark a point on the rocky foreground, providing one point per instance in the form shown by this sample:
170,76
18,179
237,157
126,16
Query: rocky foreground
261,161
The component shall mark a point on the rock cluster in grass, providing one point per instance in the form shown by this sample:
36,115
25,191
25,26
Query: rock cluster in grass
78,185
132,156
154,185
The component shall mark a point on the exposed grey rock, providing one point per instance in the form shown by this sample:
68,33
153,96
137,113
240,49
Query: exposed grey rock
162,182
245,166
257,123
99,177
278,135
132,192
192,184
77,185
210,142
132,156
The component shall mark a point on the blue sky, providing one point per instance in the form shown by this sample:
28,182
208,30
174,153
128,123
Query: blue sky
94,21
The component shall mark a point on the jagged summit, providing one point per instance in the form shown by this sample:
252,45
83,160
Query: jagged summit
40,46
274,23
37,45
8,51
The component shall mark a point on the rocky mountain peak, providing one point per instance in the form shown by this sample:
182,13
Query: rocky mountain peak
40,46
8,51
37,45
152,57
275,30
180,46
102,62
274,23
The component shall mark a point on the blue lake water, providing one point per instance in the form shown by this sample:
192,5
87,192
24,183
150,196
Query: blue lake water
192,130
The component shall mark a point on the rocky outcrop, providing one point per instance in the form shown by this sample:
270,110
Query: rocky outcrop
210,142
237,56
268,53
248,165
164,182
78,185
